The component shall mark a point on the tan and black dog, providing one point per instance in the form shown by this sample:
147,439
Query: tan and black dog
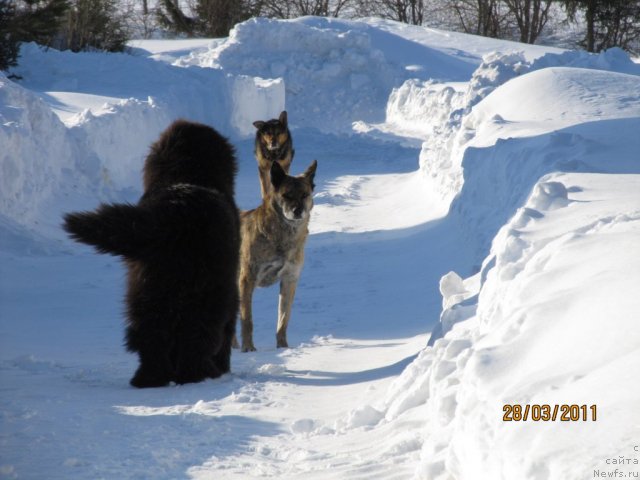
273,144
272,246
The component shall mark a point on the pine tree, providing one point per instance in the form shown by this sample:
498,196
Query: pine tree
93,24
217,17
27,21
213,18
39,20
9,44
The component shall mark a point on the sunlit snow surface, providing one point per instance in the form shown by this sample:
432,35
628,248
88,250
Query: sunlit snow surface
483,191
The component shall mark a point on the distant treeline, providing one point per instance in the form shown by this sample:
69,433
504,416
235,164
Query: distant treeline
108,24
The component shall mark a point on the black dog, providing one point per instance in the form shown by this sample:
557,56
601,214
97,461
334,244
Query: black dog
181,246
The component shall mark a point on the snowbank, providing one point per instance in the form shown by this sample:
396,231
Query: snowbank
38,156
582,123
335,72
254,98
548,319
555,324
79,125
475,135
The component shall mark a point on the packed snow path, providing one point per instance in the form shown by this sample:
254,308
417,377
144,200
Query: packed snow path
364,305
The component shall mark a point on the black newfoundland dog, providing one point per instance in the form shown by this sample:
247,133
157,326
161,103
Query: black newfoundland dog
180,244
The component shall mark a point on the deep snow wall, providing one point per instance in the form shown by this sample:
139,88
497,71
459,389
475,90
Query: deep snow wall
487,142
57,152
548,319
335,71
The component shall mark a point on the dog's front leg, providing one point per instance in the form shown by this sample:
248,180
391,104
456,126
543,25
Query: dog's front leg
285,301
246,319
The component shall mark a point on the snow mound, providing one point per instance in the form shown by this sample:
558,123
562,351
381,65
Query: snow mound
117,149
496,69
451,117
335,72
556,98
326,73
78,126
613,60
508,156
498,148
422,109
255,98
38,156
553,299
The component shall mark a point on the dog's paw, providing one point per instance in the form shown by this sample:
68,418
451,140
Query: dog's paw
144,379
281,342
248,348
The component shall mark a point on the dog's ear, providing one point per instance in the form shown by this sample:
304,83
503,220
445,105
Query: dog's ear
310,173
258,124
283,118
277,175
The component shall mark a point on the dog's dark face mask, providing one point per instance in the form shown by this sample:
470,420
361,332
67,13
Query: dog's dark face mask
273,134
293,194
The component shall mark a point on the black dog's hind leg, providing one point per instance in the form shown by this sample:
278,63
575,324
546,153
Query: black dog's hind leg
222,359
156,369
195,354
194,365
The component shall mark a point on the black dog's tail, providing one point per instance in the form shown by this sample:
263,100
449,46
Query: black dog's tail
118,229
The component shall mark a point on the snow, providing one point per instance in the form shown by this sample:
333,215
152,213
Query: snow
555,324
474,244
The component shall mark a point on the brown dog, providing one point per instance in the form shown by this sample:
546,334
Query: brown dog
273,144
272,246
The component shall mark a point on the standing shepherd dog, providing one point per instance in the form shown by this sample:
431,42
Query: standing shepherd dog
272,248
273,144
181,246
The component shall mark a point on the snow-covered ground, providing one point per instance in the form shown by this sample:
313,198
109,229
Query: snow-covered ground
475,244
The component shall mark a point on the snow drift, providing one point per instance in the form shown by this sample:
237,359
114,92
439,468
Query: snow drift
548,319
552,323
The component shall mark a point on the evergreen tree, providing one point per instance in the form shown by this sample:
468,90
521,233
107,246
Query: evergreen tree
217,17
39,20
92,24
27,21
9,44
213,18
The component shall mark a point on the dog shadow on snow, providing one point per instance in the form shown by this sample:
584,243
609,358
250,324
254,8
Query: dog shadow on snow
320,378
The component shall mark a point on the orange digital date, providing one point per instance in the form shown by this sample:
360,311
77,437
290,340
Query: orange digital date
549,413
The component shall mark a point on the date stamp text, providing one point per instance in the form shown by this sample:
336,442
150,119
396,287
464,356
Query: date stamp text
549,413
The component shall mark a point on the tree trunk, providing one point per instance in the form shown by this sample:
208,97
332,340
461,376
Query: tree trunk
590,16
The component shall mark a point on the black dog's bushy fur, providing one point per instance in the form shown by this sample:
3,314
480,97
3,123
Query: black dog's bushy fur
181,246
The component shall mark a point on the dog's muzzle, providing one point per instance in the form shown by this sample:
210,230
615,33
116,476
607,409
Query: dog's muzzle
294,215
